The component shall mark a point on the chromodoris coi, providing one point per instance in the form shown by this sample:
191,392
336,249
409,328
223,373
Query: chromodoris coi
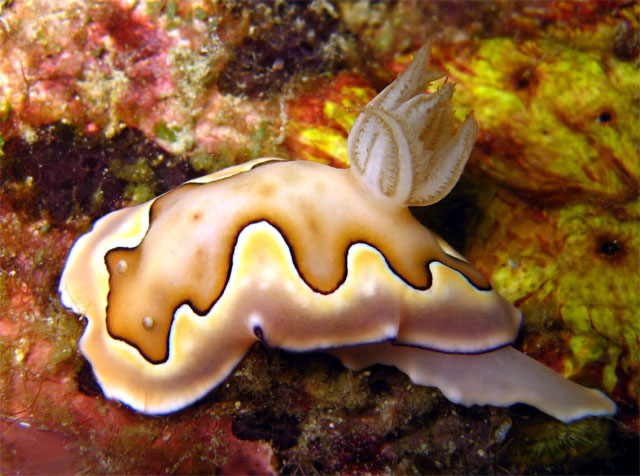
303,257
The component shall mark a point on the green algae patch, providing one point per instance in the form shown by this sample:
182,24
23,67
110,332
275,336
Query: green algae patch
166,133
555,117
62,329
552,446
139,177
207,163
598,286
576,266
558,133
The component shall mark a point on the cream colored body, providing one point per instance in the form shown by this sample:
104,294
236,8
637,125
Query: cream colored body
265,289
306,257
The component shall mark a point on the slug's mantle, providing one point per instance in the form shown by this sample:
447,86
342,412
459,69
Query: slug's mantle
305,257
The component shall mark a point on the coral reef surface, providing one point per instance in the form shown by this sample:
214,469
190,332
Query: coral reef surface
105,104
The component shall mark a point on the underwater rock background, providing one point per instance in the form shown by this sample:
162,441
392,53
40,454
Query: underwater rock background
107,104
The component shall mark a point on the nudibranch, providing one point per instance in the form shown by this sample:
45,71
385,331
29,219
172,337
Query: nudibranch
306,257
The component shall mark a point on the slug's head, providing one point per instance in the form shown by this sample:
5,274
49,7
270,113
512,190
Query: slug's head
402,145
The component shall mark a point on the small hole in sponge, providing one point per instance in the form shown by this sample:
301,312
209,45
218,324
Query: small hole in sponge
606,117
524,78
610,248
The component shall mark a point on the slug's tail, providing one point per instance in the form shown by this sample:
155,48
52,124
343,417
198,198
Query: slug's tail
501,378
